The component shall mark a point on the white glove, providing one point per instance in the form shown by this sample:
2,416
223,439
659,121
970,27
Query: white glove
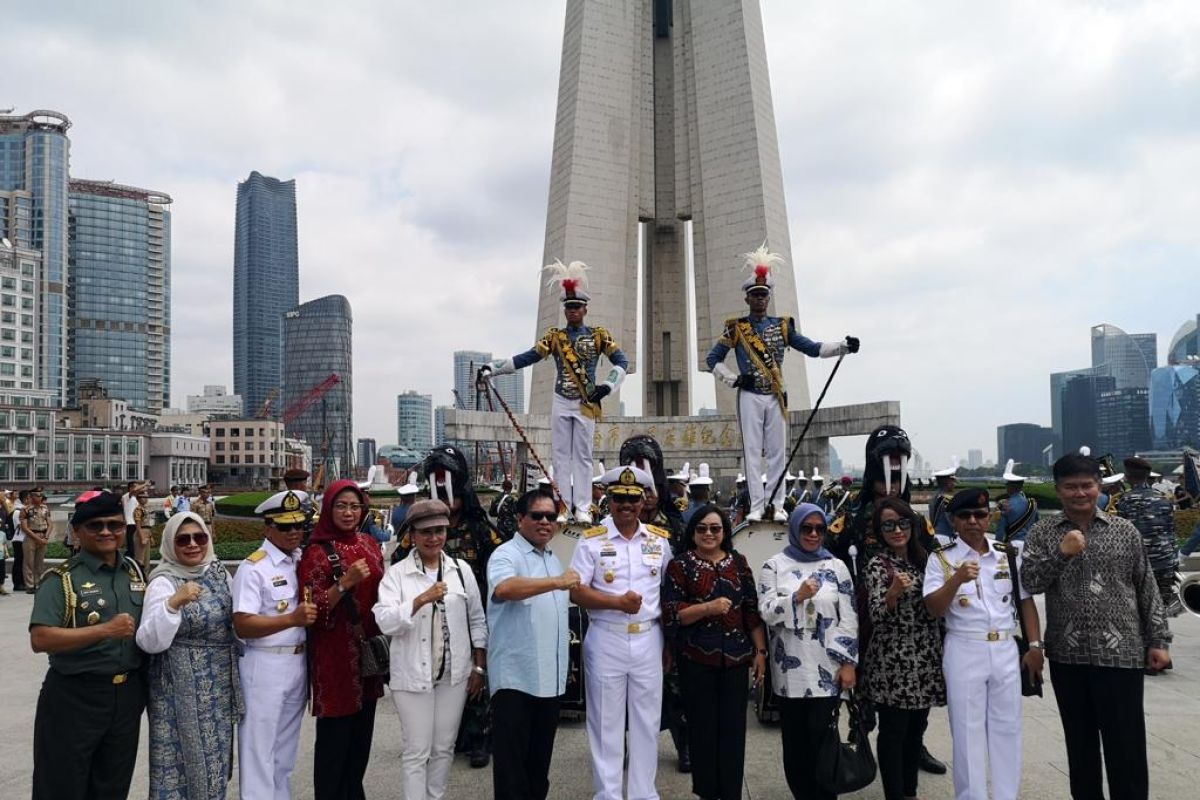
725,375
834,349
502,366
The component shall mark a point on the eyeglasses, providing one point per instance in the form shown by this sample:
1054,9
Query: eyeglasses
184,539
290,527
715,530
99,525
977,513
542,516
355,507
807,528
890,525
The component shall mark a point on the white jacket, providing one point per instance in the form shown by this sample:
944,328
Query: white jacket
411,649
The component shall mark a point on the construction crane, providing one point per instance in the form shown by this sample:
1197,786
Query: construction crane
265,409
311,396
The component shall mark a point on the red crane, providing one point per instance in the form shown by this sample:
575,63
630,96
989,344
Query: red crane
311,396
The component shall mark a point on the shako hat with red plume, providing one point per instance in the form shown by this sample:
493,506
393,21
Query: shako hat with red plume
761,265
571,279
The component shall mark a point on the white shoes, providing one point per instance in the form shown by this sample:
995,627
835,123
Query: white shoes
755,516
781,516
584,517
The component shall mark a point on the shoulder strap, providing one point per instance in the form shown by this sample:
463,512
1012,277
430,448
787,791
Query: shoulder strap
335,563
946,570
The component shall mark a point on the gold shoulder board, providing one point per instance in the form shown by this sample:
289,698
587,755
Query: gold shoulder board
837,525
594,531
256,556
657,531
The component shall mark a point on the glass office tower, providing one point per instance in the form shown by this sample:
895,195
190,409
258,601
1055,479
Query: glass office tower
317,344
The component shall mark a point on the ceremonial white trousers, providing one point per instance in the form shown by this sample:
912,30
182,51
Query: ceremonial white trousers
983,693
764,430
572,454
623,675
428,728
273,689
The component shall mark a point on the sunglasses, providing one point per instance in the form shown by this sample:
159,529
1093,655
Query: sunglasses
543,516
715,530
978,513
813,529
629,499
99,525
574,306
289,527
184,539
890,525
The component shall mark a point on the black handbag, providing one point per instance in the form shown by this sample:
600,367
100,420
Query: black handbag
1031,686
845,766
373,653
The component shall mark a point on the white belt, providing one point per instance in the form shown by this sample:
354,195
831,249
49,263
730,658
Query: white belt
627,627
983,636
286,650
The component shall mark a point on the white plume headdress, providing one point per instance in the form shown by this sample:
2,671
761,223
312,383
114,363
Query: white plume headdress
571,278
760,264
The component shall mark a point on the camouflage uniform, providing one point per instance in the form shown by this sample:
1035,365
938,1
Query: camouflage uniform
1153,514
504,510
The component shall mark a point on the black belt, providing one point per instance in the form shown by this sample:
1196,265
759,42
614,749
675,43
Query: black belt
119,679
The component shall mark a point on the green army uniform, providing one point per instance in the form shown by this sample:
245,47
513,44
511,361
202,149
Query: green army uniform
85,732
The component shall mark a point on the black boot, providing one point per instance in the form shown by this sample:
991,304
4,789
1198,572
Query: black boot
685,759
480,757
930,764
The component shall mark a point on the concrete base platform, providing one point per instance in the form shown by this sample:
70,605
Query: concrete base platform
1172,706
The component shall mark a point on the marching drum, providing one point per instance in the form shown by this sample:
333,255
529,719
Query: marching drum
758,541
564,542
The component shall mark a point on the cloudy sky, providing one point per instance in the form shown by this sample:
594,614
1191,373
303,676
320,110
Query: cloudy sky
970,186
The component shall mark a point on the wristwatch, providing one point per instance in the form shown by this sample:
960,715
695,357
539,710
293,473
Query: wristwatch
478,670
1037,645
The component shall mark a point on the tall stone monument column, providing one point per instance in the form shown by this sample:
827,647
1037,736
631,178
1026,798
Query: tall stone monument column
664,116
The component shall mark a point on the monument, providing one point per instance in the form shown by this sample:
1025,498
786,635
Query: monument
664,118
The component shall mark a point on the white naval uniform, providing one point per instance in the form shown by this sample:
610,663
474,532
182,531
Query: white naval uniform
622,656
571,453
762,424
273,675
983,679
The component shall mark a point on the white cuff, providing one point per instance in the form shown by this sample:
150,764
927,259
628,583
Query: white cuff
502,366
616,376
833,349
724,374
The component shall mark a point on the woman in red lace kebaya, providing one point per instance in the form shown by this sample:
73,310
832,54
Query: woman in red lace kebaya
343,701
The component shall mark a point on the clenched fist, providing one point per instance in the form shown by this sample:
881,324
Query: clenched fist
357,572
568,580
629,603
1072,543
187,593
304,615
900,582
121,626
807,589
719,607
966,572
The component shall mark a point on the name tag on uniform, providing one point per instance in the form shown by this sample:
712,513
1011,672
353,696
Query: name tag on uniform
608,552
279,580
1002,575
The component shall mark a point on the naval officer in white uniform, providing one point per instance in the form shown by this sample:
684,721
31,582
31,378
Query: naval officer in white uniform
270,615
969,582
620,564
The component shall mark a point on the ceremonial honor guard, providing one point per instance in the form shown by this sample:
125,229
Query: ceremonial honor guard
503,509
699,490
143,529
946,480
818,486
599,497
969,582
759,343
270,615
678,484
621,565
1017,513
85,615
1153,514
204,507
38,529
576,405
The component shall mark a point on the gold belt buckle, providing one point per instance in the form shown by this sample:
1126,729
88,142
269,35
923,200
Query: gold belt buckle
993,636
633,627
119,679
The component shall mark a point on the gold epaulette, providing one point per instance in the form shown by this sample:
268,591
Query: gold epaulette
1002,547
657,531
939,546
836,526
929,527
595,531
681,503
256,556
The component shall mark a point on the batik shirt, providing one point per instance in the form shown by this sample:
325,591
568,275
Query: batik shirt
588,343
777,334
810,639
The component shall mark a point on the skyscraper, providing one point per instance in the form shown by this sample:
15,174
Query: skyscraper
317,344
1128,358
974,458
414,421
466,364
365,454
18,332
1185,344
1122,422
1080,424
1175,406
266,283
439,425
120,293
34,175
1024,442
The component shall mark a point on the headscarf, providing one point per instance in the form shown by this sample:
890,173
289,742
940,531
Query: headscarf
169,565
794,550
326,531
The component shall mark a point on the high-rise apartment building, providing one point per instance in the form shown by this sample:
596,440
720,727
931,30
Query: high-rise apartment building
317,338
34,176
439,425
974,458
266,284
511,387
119,331
414,421
365,453
216,401
19,268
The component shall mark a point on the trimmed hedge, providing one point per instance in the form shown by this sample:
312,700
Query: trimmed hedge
226,551
241,505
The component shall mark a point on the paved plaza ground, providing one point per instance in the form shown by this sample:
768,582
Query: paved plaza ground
1172,705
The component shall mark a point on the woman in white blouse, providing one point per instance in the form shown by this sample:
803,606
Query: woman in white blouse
195,694
429,604
806,599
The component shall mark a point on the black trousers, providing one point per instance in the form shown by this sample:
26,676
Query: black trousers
901,737
523,729
803,722
1103,705
130,536
714,701
85,736
341,753
18,565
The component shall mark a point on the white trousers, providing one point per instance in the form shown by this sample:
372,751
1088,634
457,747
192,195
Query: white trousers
273,687
983,693
428,728
764,430
572,434
623,675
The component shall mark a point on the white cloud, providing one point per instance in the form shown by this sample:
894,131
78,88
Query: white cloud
970,185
